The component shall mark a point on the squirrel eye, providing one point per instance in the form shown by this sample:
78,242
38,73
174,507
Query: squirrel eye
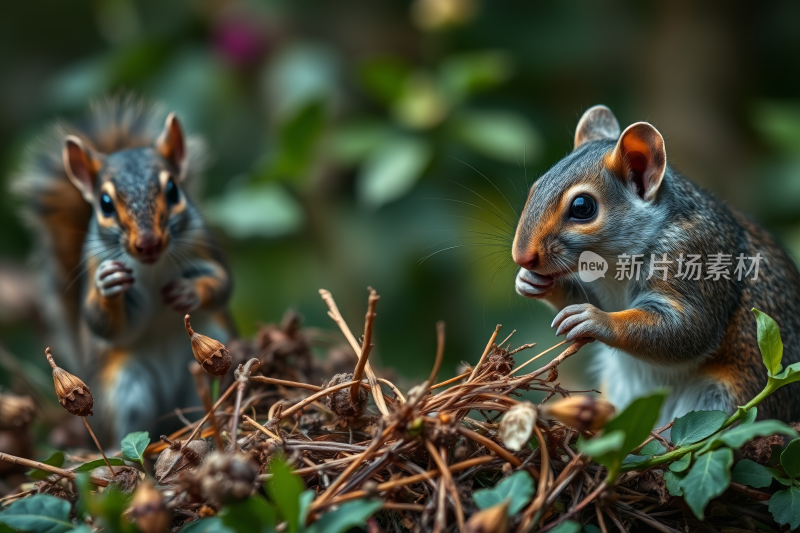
173,195
583,207
106,205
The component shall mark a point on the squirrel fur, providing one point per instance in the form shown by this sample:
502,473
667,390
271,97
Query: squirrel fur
696,337
124,255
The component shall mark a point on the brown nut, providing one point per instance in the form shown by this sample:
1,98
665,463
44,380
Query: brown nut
584,413
73,394
339,401
125,478
212,355
15,411
148,510
177,458
227,477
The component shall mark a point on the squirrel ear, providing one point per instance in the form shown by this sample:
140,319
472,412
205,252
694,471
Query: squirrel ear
640,158
81,165
597,123
170,143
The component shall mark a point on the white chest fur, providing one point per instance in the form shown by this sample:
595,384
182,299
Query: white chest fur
624,377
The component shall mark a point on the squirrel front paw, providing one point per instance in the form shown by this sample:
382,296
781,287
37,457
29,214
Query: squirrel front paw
583,320
181,296
533,285
112,278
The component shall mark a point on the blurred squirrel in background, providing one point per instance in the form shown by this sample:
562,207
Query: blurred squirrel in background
615,196
125,255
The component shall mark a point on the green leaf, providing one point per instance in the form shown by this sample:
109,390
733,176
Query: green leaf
501,135
737,436
391,171
518,488
750,473
637,420
696,425
789,375
673,481
652,448
133,446
777,475
284,488
262,210
769,342
681,464
568,527
38,514
57,459
348,515
306,499
207,525
609,443
750,416
466,74
97,463
785,507
708,478
298,138
790,459
385,77
252,514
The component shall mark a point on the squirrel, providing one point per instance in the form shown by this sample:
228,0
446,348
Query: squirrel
125,254
615,196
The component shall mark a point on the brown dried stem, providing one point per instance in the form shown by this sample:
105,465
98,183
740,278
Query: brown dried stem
69,474
485,353
86,423
366,347
205,396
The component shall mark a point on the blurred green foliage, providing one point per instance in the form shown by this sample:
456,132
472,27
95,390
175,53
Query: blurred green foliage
351,140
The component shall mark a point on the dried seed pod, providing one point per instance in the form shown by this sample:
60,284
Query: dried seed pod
516,427
53,489
584,413
126,480
15,411
212,355
225,477
73,394
148,510
177,457
491,520
339,401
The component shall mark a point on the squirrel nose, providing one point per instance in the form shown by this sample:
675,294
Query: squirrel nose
526,260
147,243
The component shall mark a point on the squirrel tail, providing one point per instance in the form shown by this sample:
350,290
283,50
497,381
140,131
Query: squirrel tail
56,211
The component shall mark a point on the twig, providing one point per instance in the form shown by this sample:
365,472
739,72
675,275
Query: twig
69,474
242,379
485,353
534,358
205,396
447,478
86,423
366,347
437,363
449,381
261,428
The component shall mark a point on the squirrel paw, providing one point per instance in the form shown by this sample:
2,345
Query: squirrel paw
582,320
533,285
181,296
112,278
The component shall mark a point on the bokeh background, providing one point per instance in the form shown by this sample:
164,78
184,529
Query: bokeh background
352,140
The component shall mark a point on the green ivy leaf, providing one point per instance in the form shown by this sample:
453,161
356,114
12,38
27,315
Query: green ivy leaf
91,465
637,420
518,488
737,436
391,170
750,473
348,515
750,416
207,525
708,478
696,425
57,459
252,514
133,446
284,488
599,447
652,448
785,507
790,459
673,481
681,464
38,514
769,342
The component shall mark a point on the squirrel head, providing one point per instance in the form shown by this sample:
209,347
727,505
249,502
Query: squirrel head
135,192
603,197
